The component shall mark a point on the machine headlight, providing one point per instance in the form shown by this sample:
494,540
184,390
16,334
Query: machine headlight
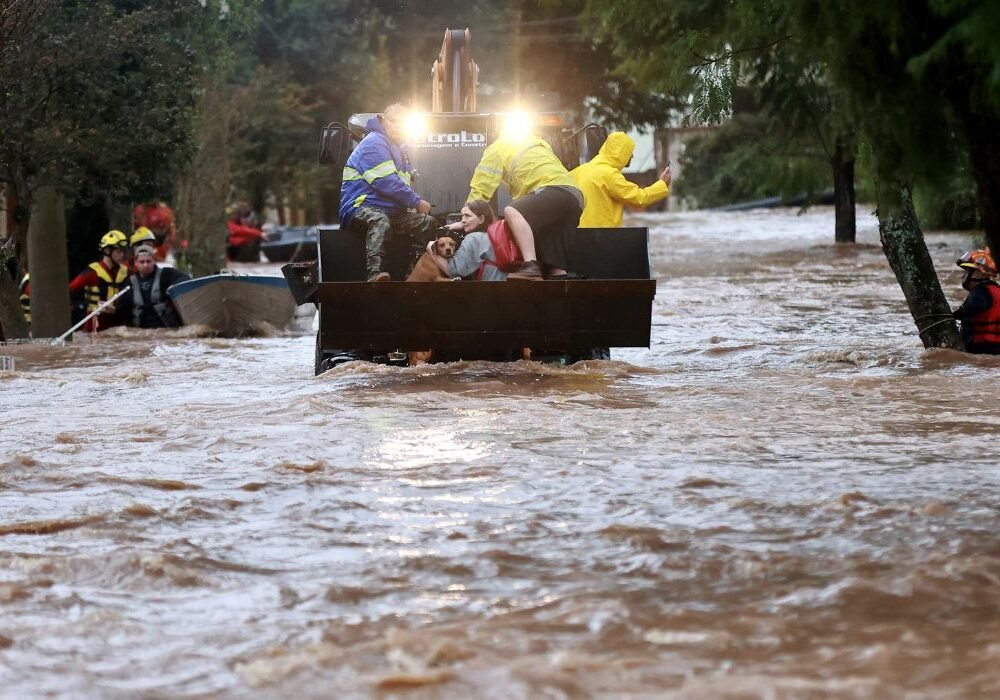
518,125
414,127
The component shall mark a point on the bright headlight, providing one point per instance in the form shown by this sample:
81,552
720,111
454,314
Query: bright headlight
414,127
518,124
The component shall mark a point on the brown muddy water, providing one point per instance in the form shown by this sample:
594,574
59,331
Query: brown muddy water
784,497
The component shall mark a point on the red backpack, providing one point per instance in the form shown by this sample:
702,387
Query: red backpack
507,253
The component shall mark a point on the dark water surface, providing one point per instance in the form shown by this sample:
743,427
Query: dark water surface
785,497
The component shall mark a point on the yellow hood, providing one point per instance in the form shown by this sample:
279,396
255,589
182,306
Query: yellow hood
617,150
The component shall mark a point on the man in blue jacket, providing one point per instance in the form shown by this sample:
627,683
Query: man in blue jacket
376,198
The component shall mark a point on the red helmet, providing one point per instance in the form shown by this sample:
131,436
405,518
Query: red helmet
156,216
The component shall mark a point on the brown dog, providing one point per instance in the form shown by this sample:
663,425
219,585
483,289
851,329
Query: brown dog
426,270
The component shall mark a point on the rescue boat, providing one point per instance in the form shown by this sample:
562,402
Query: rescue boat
234,305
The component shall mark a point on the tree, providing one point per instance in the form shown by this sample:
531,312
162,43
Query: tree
909,72
99,96
706,52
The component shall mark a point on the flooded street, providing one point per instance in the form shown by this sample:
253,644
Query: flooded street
784,497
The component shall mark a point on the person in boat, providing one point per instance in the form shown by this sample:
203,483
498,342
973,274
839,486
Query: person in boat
605,188
243,242
102,280
141,237
376,199
160,220
980,312
547,202
146,305
475,254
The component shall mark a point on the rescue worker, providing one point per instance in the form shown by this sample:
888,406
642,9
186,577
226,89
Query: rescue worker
606,190
547,202
376,198
980,312
24,292
102,280
243,241
158,218
147,305
142,236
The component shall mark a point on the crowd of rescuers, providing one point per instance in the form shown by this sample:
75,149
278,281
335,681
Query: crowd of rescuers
377,200
133,261
127,261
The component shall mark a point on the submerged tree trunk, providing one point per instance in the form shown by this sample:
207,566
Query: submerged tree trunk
202,192
843,188
12,252
906,251
12,323
48,264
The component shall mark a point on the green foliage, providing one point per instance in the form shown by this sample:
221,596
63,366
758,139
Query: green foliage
739,64
745,159
99,95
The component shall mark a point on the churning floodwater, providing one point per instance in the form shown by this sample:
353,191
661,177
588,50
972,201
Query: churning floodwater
784,497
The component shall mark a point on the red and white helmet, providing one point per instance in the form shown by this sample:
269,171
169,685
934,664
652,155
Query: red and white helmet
980,260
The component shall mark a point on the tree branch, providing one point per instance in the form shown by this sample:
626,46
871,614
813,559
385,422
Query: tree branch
706,61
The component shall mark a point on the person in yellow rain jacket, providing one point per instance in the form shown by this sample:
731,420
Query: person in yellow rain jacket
546,203
606,190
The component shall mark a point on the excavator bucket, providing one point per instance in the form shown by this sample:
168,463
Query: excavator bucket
486,320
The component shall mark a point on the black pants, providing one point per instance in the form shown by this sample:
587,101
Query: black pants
552,213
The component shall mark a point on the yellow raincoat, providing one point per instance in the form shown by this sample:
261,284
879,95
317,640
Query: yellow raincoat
606,190
524,164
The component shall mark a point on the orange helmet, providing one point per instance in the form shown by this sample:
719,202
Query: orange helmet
980,260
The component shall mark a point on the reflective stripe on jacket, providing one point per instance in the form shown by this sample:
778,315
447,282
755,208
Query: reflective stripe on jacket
377,174
106,287
606,190
985,326
524,165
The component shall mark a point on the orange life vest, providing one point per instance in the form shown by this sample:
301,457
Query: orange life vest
985,326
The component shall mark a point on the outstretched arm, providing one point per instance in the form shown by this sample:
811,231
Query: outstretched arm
631,194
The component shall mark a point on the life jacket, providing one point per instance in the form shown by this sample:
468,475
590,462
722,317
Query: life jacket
106,286
985,326
157,300
24,289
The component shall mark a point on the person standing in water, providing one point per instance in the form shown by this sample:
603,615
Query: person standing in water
980,312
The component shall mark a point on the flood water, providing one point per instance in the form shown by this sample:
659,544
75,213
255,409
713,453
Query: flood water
784,497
